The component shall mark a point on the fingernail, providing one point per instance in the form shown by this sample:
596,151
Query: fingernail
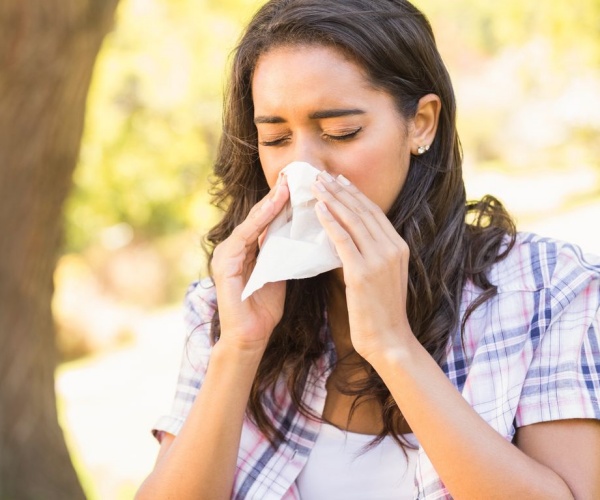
327,176
342,180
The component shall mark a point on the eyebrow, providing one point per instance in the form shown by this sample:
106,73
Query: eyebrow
317,115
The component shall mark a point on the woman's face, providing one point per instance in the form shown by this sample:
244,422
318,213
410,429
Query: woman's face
313,104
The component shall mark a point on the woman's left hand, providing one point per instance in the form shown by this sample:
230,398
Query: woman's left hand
375,265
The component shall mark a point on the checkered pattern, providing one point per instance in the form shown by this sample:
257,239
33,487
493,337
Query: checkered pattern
530,354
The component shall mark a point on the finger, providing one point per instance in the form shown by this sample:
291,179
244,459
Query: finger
262,214
282,180
356,199
361,267
343,202
357,202
271,195
344,244
235,256
351,215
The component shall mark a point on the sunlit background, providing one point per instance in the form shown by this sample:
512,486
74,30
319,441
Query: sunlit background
527,79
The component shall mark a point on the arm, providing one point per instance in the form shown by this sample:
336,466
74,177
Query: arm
571,448
200,461
471,458
553,460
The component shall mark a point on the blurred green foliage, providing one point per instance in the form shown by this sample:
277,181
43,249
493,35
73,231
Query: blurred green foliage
153,119
526,76
492,26
155,103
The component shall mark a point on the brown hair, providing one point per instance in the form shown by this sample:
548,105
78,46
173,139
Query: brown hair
393,42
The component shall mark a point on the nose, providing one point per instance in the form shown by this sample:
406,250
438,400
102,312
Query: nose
307,149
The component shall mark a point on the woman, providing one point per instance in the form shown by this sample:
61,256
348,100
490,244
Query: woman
475,345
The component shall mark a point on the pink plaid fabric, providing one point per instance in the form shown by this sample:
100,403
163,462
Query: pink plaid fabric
530,354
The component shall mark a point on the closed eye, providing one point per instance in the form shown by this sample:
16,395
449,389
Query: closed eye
345,136
274,142
342,137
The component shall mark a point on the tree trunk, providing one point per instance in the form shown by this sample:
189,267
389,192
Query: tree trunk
47,52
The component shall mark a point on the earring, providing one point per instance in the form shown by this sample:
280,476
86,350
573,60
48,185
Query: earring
423,149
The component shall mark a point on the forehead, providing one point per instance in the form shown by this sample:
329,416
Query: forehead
308,73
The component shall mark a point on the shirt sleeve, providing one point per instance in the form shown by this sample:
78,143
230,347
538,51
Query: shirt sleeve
199,308
563,379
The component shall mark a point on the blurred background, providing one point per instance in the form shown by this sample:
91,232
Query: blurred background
527,79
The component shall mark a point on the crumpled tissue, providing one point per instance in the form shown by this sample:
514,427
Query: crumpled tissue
295,245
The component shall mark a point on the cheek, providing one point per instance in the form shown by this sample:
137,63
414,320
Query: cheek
393,191
385,192
382,182
380,166
271,172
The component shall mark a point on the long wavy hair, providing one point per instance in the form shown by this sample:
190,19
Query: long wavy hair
394,44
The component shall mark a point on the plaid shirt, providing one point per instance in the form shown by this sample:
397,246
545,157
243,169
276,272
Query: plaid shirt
530,354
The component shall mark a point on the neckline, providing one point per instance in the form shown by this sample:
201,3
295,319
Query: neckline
335,432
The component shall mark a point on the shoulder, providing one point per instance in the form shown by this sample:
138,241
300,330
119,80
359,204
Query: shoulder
546,289
201,300
200,305
533,347
535,263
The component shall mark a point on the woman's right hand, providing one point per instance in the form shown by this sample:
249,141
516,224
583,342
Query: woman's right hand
248,324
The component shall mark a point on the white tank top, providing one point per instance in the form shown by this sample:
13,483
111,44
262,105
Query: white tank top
336,468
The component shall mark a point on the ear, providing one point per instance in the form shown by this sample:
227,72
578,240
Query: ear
425,123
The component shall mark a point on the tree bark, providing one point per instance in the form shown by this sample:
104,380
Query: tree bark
47,53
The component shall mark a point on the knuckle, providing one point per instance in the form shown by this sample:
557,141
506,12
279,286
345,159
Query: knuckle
218,251
373,207
392,253
335,188
403,248
230,246
359,208
341,236
379,265
353,220
253,212
236,234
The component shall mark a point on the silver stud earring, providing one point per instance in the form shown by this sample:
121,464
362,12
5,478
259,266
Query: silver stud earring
423,149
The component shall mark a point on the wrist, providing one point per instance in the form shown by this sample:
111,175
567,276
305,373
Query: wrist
393,357
238,354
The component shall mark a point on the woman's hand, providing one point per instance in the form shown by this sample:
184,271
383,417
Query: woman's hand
248,325
375,265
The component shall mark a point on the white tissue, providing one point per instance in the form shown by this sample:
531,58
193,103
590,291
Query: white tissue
296,245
